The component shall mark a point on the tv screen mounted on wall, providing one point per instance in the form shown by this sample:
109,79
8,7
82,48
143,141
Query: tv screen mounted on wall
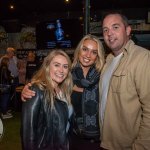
59,33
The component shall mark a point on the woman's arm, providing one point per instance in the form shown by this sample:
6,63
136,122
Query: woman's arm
27,93
29,122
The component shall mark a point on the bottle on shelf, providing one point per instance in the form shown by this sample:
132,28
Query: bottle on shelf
59,31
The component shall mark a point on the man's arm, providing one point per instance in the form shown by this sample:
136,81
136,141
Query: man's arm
142,79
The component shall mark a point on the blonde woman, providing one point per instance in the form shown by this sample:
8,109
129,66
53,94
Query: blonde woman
45,116
86,68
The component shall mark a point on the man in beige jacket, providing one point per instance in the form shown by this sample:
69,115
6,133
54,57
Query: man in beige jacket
124,89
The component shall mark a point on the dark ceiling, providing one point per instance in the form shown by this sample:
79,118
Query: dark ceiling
29,7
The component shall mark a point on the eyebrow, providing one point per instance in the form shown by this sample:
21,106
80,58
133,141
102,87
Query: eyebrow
59,63
90,48
115,24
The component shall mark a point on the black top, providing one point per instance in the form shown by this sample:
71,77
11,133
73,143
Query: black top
5,75
31,68
42,127
76,99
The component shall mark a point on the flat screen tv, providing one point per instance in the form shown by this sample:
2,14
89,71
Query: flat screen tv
59,33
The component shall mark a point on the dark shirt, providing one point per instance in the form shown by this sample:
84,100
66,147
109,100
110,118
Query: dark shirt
76,98
5,75
31,68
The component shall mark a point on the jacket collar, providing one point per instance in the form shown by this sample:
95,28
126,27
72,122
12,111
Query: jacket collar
126,50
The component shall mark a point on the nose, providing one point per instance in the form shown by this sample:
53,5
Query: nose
88,54
109,32
61,69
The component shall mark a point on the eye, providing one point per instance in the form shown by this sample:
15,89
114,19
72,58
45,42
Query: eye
115,27
66,66
84,48
95,52
56,65
105,30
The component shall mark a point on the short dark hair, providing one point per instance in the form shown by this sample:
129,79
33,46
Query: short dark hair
114,12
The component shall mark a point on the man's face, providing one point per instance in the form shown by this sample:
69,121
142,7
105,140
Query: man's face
115,33
10,54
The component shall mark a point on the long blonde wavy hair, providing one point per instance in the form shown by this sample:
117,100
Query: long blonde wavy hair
43,80
100,57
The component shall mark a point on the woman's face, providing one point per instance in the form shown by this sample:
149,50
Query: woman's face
88,53
59,69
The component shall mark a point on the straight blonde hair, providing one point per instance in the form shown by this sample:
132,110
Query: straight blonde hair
43,80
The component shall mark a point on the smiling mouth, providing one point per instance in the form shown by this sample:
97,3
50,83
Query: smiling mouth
86,60
60,75
111,40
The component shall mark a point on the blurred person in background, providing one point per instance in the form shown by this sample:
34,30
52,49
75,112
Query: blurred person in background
13,64
13,68
32,65
6,80
22,71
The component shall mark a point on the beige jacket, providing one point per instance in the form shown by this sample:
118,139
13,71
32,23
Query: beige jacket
127,114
